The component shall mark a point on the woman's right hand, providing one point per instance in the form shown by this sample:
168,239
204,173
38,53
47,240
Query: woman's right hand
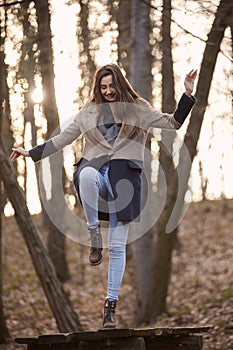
16,152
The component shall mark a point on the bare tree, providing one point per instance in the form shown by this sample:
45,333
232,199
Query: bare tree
141,59
163,243
56,240
223,15
4,123
141,79
86,65
156,244
124,40
66,318
4,333
25,74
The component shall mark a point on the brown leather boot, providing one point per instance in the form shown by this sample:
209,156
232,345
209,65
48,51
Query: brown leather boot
109,312
95,256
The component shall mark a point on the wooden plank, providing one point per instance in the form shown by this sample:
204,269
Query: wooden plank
78,336
172,342
100,335
53,347
116,333
133,343
162,331
111,334
38,347
91,345
62,347
52,338
28,340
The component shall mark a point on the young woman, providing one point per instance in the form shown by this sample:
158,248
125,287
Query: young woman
107,178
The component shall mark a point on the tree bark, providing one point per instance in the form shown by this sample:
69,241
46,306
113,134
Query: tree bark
124,39
56,239
163,243
4,333
140,74
26,70
86,65
4,122
62,309
141,80
5,130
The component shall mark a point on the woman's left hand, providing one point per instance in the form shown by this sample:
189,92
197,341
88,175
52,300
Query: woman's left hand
16,152
189,82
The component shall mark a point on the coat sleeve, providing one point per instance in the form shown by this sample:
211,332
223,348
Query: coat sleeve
156,119
56,143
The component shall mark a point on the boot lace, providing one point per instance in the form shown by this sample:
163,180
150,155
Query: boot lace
109,310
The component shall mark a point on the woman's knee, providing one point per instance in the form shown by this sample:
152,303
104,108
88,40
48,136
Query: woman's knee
88,176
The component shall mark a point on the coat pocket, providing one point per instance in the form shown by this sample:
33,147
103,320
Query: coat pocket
136,164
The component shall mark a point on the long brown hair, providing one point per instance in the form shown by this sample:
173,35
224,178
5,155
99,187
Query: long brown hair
124,93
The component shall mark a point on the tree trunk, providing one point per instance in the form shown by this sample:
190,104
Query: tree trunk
162,246
61,306
4,334
225,10
86,65
5,117
27,68
4,122
141,79
163,243
56,239
140,75
123,14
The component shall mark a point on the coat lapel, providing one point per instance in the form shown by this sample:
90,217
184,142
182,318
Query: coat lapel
127,121
91,121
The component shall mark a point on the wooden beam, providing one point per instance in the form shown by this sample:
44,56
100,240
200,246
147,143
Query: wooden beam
160,338
172,342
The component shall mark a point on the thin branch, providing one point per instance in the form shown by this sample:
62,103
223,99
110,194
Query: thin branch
172,20
184,29
14,3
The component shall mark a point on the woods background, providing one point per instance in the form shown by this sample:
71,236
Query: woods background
49,53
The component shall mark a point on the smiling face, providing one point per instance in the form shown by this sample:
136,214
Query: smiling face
107,88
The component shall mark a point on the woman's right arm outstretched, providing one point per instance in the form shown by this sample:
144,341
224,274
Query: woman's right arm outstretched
53,145
19,151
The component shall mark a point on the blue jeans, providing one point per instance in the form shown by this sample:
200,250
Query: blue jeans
92,184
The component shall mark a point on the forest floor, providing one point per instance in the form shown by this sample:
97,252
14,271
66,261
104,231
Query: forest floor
200,292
